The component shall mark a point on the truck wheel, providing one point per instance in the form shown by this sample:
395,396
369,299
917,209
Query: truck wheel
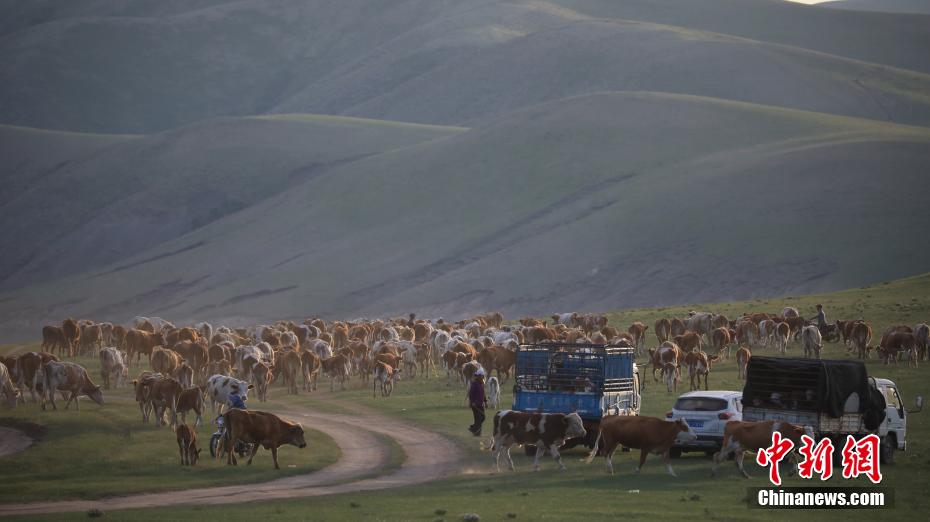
886,449
675,453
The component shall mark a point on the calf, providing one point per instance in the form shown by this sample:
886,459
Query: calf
386,375
647,434
187,445
71,377
544,430
740,437
260,428
493,393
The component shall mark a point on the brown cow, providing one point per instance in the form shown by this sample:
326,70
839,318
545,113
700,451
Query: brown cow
895,342
922,335
143,390
647,434
53,339
780,336
860,337
666,358
663,329
164,395
261,377
191,399
260,428
290,369
310,365
638,331
140,342
747,333
187,445
498,358
720,340
742,361
164,361
337,367
688,341
72,334
742,436
544,430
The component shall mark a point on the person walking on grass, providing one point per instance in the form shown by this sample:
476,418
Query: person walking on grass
477,401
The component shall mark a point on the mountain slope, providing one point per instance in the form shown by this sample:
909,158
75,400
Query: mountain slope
594,202
885,6
100,206
150,66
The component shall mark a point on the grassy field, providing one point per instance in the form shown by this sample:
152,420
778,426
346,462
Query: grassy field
584,491
103,451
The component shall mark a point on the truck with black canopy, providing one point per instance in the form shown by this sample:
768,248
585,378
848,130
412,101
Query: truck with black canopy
834,397
592,380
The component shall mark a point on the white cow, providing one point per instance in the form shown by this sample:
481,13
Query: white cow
113,367
221,387
812,340
493,392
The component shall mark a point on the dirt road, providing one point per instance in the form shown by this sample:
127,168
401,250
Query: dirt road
428,456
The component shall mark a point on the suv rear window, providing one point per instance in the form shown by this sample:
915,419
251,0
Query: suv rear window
700,404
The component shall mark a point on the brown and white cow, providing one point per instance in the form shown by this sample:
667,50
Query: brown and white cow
638,331
688,341
187,445
70,377
310,369
699,365
29,370
897,342
740,437
386,376
498,358
261,378
544,430
666,358
260,429
647,434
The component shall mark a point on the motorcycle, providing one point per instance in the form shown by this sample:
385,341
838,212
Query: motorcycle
218,442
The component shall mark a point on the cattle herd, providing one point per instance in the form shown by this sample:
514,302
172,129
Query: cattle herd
193,364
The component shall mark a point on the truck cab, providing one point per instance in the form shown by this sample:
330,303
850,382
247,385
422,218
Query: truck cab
593,380
895,426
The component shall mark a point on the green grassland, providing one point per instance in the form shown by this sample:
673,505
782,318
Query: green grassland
587,491
107,450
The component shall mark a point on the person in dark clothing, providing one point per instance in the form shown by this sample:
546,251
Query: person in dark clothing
236,402
477,401
821,317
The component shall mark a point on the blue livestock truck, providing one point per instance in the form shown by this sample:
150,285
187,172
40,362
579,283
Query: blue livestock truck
593,380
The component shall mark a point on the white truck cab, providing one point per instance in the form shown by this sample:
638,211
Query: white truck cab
893,430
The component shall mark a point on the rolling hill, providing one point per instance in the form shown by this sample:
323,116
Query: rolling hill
105,198
142,66
593,202
885,6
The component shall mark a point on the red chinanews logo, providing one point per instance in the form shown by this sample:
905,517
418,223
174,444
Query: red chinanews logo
860,457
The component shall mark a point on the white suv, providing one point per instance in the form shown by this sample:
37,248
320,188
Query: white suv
707,412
